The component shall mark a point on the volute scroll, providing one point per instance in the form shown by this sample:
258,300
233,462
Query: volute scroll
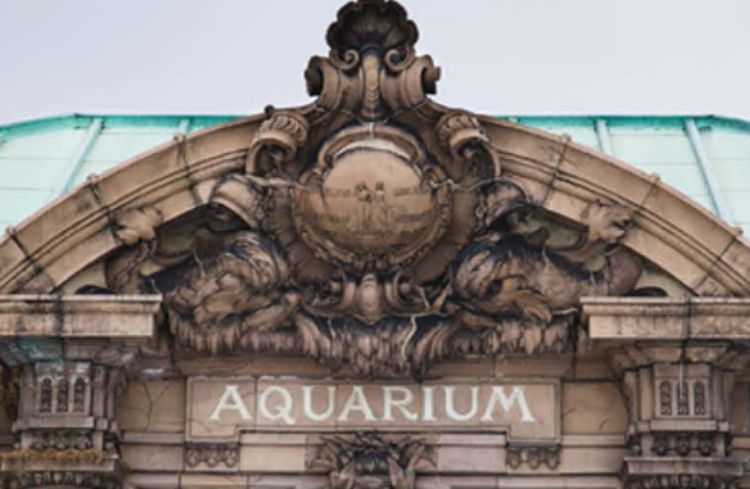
375,228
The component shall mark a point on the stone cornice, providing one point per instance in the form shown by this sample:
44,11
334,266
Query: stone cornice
78,316
626,319
72,232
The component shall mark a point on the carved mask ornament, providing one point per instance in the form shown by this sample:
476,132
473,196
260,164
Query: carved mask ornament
376,228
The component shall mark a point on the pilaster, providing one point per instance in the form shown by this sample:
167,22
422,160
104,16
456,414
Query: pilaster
67,384
677,367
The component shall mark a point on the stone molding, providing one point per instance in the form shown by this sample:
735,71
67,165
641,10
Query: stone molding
706,255
533,457
623,319
677,360
71,316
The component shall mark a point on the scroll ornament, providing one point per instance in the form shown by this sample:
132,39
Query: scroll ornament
375,228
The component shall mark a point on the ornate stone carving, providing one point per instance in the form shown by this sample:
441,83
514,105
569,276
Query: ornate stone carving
236,292
138,225
212,455
682,481
678,415
62,478
136,228
60,440
66,433
374,228
685,443
371,460
533,456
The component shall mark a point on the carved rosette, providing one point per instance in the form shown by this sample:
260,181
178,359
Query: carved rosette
373,228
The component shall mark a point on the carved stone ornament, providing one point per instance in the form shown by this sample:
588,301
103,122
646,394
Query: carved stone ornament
533,457
373,228
371,461
682,481
212,455
62,478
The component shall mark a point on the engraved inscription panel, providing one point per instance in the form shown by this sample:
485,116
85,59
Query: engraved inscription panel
221,408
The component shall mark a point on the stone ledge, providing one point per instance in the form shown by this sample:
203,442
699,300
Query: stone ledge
630,318
80,316
655,466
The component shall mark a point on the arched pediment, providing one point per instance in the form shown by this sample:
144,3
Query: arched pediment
706,255
374,226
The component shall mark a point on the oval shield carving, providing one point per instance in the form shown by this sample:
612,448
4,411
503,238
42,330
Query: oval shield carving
372,200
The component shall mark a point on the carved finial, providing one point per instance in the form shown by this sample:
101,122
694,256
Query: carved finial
372,25
372,54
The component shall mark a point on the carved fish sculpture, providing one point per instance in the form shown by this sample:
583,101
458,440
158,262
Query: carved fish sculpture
505,275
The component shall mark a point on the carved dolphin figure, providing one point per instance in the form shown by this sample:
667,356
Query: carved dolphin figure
505,274
237,291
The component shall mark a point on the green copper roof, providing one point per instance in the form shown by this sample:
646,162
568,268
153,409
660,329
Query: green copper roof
705,157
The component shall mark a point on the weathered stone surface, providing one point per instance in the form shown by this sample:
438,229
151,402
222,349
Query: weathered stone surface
593,408
150,458
157,406
342,250
624,319
78,316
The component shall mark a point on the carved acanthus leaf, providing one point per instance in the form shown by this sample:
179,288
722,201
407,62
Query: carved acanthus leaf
374,228
371,460
138,224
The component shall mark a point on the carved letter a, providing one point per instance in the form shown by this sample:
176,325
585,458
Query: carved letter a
230,401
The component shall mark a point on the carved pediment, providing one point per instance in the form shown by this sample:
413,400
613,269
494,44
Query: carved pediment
373,227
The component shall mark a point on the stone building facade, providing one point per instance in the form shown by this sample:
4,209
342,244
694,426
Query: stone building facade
374,291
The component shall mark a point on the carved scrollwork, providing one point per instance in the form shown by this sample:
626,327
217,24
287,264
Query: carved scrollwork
137,229
461,134
374,228
372,69
371,460
277,142
138,225
237,292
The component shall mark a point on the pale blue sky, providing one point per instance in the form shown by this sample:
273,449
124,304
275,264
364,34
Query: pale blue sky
498,56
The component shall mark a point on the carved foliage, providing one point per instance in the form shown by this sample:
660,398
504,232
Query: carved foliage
533,456
236,292
371,460
377,229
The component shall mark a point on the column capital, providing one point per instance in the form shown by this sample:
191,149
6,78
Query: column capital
677,360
